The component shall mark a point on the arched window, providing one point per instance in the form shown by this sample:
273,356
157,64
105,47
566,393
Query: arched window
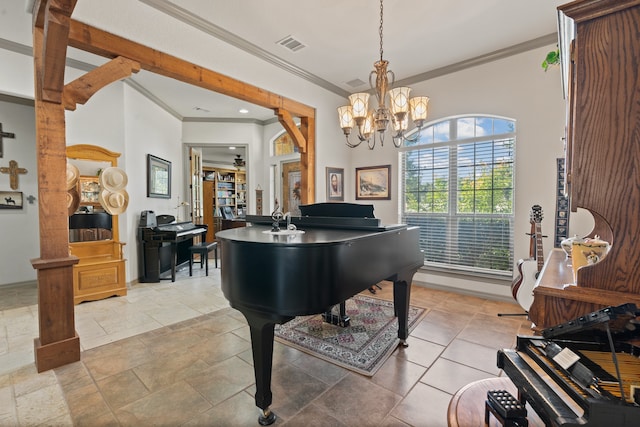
458,187
284,145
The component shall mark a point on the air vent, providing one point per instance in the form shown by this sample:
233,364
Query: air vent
291,43
355,83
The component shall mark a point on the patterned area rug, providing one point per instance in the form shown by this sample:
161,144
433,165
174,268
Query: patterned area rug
362,347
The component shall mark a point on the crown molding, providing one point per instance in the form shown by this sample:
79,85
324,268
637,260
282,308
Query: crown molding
220,33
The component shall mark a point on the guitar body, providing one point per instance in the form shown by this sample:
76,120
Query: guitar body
522,287
529,269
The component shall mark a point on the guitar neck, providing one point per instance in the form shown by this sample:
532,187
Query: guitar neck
539,251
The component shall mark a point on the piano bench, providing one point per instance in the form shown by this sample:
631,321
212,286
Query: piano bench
203,250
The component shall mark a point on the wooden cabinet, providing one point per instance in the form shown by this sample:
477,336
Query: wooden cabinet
603,159
100,272
208,209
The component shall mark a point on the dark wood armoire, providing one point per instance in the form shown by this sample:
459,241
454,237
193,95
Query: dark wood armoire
602,160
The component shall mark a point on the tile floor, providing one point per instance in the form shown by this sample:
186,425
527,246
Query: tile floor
172,354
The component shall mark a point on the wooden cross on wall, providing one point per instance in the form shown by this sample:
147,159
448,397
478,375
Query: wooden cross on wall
13,170
4,135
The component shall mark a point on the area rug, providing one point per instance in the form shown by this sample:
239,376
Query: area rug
361,347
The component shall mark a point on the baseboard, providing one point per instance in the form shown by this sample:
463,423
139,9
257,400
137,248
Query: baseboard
484,295
32,283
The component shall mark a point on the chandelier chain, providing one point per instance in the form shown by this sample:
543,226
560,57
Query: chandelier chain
381,10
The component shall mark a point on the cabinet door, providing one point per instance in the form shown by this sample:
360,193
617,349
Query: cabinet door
208,209
196,186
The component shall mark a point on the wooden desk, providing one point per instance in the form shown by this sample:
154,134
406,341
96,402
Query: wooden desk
233,223
467,405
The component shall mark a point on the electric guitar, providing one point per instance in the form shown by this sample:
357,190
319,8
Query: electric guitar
529,269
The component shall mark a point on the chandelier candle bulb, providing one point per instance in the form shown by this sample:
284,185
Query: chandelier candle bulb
419,107
345,114
359,104
399,100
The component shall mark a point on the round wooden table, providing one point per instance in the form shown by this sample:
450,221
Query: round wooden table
467,407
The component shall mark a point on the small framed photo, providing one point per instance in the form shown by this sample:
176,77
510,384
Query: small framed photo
373,183
335,185
158,177
10,199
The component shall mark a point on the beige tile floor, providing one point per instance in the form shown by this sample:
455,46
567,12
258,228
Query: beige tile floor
173,354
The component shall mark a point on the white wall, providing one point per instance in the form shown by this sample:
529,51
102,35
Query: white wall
19,228
147,130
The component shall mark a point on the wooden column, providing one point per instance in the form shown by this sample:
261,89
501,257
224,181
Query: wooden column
58,343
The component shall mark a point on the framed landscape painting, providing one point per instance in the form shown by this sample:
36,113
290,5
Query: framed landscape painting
373,183
158,177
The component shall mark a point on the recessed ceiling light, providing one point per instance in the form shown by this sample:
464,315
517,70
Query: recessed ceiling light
232,148
243,111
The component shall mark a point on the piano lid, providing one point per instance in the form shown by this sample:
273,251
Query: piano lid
348,223
620,319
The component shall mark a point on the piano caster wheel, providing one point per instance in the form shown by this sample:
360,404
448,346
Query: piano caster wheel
403,343
266,417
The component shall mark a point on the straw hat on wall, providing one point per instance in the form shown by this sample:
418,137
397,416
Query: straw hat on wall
113,179
72,175
114,202
73,201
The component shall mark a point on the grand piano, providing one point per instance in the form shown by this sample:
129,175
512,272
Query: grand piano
584,372
164,244
271,273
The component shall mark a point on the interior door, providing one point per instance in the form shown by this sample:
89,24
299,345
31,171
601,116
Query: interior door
195,157
291,187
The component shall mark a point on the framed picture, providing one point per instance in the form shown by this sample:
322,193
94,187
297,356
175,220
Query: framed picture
335,184
373,183
89,190
10,199
158,177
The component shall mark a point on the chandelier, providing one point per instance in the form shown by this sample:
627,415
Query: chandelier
370,122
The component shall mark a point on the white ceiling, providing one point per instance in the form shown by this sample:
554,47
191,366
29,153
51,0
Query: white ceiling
341,38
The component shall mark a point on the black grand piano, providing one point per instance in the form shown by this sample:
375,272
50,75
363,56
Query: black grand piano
585,372
164,244
272,273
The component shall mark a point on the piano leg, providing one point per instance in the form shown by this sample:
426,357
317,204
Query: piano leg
401,296
262,327
174,260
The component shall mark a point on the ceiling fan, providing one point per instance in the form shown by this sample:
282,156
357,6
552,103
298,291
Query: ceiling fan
239,162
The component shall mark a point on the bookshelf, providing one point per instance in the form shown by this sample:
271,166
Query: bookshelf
223,190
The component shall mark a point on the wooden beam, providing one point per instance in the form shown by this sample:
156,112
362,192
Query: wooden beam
99,42
57,343
286,120
53,17
80,90
308,160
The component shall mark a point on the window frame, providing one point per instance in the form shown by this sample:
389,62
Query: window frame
452,215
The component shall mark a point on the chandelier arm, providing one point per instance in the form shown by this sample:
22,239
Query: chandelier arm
415,136
398,140
371,142
349,144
